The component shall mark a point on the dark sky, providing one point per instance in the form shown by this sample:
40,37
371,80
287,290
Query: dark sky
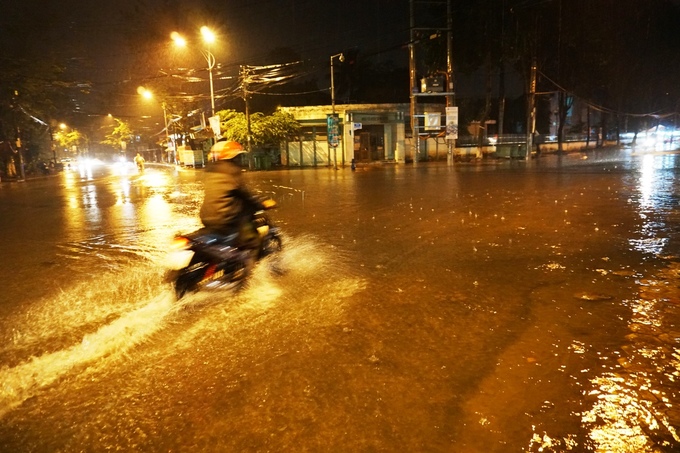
118,45
103,32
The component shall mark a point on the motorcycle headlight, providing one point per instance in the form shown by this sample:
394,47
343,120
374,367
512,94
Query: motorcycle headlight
180,243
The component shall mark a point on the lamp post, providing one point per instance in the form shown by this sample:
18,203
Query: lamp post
69,138
341,58
149,95
167,133
208,38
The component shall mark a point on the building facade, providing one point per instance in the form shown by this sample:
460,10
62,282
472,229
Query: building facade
366,133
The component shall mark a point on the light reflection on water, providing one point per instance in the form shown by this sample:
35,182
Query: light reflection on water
656,197
634,406
423,348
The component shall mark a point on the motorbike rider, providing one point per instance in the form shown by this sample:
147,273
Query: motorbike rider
228,205
139,160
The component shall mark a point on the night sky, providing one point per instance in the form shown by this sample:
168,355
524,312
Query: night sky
117,45
249,30
111,48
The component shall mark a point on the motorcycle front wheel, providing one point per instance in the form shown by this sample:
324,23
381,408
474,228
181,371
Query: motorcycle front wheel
270,245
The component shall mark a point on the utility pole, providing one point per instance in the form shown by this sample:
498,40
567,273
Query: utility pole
334,119
413,83
245,75
501,77
442,90
21,155
531,108
450,143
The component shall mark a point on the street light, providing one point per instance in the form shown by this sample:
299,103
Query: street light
149,95
208,38
341,58
69,139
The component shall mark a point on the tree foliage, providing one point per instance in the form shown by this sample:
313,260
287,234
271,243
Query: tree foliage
120,134
70,139
31,93
266,130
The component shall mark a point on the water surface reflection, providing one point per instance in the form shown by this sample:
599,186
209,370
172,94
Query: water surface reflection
491,307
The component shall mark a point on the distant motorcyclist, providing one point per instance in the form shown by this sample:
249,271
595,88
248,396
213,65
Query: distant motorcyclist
228,205
139,160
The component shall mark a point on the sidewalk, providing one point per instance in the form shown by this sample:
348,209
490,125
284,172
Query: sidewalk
31,176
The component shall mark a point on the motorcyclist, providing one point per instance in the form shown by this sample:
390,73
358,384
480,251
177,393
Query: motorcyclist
228,205
139,160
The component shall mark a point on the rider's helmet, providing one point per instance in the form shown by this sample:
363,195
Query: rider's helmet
226,150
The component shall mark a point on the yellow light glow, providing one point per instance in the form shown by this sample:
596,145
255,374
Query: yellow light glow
178,39
144,92
208,35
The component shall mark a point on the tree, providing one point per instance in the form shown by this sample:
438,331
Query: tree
121,134
70,139
266,130
31,92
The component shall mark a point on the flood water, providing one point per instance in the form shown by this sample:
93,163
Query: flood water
498,306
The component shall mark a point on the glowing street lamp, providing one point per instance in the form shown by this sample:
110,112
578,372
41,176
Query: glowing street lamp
146,94
208,38
69,139
341,58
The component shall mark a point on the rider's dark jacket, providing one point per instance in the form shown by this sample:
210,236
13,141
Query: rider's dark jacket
227,203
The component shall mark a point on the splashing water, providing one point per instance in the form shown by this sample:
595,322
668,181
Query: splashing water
94,324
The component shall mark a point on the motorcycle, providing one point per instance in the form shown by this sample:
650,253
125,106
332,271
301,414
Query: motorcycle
204,260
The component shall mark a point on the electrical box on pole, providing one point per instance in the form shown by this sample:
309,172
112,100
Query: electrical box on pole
437,83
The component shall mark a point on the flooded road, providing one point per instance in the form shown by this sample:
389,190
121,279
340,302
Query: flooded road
502,306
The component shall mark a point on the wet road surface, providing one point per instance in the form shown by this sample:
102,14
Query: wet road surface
500,306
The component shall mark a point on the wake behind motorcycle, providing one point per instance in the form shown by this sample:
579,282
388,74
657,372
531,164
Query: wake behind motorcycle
204,260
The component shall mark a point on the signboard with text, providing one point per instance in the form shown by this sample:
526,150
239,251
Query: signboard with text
451,123
333,121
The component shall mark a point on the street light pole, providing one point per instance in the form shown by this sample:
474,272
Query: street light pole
341,58
149,95
210,58
209,38
167,134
